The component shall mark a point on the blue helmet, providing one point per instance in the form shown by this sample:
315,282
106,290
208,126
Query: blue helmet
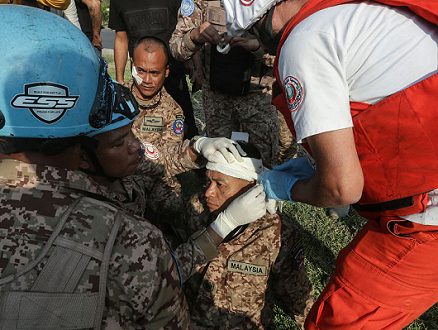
52,82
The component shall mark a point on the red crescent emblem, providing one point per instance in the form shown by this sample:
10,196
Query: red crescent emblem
246,2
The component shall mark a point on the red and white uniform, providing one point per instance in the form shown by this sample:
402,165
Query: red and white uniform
333,63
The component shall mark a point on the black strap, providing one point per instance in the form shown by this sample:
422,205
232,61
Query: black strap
385,206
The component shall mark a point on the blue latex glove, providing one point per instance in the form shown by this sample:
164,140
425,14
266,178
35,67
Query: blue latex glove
279,182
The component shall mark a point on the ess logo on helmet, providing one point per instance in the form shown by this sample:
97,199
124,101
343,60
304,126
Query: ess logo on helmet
48,102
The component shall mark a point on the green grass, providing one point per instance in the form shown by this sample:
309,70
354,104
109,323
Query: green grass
112,68
323,239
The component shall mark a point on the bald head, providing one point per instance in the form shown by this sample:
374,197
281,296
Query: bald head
150,45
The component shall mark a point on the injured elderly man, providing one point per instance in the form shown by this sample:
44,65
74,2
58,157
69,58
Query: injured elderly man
259,264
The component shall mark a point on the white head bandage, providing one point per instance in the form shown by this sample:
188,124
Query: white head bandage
242,14
250,169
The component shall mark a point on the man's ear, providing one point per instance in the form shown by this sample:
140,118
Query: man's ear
167,70
85,161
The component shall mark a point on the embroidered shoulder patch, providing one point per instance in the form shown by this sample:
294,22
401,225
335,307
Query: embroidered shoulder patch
241,267
294,92
178,126
151,151
187,7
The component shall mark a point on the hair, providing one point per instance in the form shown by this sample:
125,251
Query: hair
250,149
150,44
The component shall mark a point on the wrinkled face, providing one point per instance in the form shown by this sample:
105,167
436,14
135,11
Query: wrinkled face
118,152
152,68
222,189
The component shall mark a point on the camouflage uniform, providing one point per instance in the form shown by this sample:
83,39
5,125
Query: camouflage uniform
134,192
163,125
252,113
142,289
238,288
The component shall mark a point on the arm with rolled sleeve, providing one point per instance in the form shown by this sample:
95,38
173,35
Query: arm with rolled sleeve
181,45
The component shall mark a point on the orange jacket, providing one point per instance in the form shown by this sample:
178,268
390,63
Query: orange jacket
397,138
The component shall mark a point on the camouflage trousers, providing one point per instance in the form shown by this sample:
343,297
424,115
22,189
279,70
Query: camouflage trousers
287,143
252,113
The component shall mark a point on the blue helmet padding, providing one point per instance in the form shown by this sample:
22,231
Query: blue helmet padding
49,75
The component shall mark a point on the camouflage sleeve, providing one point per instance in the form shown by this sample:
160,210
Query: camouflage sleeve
200,247
181,46
144,285
171,160
292,286
268,60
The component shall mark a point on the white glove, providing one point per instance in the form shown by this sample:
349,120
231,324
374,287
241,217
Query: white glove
245,209
208,146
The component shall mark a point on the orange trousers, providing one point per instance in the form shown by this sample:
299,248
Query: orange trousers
384,279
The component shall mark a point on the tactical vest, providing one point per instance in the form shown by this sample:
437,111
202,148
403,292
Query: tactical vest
229,73
51,302
396,139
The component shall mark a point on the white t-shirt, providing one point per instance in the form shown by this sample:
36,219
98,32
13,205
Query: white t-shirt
356,52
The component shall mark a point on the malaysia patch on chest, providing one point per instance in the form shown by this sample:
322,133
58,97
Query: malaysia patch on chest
152,124
241,267
294,92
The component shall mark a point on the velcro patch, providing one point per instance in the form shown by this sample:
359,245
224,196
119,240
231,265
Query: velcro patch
241,267
152,125
153,121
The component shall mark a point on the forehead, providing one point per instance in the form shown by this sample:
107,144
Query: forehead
109,137
221,177
151,55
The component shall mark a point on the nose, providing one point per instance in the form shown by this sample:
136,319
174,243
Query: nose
148,78
209,192
134,144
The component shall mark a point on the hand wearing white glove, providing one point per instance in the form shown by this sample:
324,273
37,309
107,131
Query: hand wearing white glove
245,209
208,146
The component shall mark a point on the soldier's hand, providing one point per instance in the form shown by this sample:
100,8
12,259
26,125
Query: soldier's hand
248,44
245,209
206,33
208,146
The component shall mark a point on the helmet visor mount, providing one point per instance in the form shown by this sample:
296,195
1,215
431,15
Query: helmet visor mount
111,98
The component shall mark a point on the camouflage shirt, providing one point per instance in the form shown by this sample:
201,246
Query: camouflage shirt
238,288
183,48
160,125
134,194
143,288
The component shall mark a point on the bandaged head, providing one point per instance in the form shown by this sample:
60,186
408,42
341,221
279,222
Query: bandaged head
250,169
